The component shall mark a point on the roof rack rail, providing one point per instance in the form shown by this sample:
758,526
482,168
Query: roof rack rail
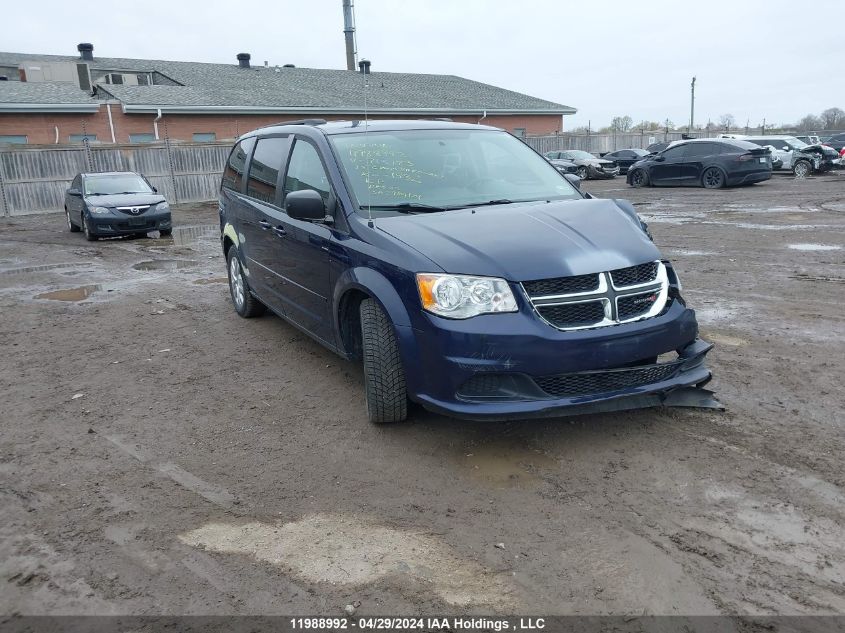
304,122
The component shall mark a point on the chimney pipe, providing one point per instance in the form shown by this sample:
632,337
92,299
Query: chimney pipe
86,51
364,66
243,60
349,33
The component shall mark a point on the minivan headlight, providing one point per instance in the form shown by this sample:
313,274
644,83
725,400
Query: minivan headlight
462,296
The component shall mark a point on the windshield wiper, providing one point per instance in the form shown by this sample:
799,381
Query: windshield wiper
488,203
406,207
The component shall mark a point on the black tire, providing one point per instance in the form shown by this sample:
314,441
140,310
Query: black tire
70,225
87,230
582,172
639,178
246,305
384,376
802,169
713,178
165,232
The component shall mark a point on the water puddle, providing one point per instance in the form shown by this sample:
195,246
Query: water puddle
814,247
185,235
506,466
347,550
70,294
165,264
211,280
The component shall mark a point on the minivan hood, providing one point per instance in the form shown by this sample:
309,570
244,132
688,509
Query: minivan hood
125,199
520,242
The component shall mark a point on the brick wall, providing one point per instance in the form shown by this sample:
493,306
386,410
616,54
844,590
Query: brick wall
41,128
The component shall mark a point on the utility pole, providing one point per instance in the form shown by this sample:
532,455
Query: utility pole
349,33
691,106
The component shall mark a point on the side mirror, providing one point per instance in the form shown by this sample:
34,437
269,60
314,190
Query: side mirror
305,205
574,180
155,189
74,192
659,159
589,196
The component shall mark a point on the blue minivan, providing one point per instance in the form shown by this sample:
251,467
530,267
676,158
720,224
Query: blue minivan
462,268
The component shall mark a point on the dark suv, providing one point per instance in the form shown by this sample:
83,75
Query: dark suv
465,271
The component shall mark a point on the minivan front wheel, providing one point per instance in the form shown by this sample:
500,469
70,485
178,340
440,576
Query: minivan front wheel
384,376
246,305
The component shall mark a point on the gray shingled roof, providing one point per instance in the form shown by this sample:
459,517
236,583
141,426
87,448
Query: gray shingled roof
227,86
60,97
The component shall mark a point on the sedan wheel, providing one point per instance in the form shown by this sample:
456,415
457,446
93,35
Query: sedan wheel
582,172
802,169
87,229
713,178
639,178
70,225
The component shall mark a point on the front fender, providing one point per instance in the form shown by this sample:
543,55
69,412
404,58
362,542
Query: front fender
375,284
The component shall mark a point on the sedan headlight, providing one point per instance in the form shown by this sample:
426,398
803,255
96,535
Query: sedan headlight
461,296
163,206
99,210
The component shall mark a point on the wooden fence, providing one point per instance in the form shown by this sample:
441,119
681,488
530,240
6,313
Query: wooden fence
34,179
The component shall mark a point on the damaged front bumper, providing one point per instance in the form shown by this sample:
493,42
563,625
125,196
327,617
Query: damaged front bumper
519,396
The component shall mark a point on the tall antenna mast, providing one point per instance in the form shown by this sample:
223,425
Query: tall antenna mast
364,64
349,33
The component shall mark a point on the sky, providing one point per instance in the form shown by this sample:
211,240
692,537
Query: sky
753,59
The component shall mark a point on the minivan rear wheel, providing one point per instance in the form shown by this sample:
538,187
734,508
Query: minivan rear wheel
384,376
246,305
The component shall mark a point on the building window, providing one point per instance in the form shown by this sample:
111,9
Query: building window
205,137
13,139
519,132
81,138
142,138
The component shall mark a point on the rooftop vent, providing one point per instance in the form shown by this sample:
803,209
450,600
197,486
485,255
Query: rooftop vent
86,51
364,66
243,60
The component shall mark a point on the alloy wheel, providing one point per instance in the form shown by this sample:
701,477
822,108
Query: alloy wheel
236,282
713,178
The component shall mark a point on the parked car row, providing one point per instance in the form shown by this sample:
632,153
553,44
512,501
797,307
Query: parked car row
587,165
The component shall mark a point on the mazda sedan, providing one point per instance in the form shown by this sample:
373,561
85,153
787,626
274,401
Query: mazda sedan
115,203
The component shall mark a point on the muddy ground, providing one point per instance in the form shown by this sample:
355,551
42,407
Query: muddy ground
159,454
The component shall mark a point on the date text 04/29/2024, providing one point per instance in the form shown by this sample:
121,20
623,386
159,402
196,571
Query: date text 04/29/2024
381,623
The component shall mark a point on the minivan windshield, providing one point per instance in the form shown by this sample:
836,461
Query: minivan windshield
118,183
420,171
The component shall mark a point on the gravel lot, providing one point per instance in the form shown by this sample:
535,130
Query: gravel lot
159,454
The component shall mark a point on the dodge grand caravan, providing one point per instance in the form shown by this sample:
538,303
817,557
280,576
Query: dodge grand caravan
466,273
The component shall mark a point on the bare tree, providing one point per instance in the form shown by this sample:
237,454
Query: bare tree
727,121
832,118
809,123
621,123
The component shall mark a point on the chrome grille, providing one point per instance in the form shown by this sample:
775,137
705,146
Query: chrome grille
568,315
634,275
600,299
561,285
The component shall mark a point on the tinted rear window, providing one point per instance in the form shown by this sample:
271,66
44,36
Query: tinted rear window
233,175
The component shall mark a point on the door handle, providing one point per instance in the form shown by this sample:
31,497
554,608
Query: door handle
264,225
280,231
